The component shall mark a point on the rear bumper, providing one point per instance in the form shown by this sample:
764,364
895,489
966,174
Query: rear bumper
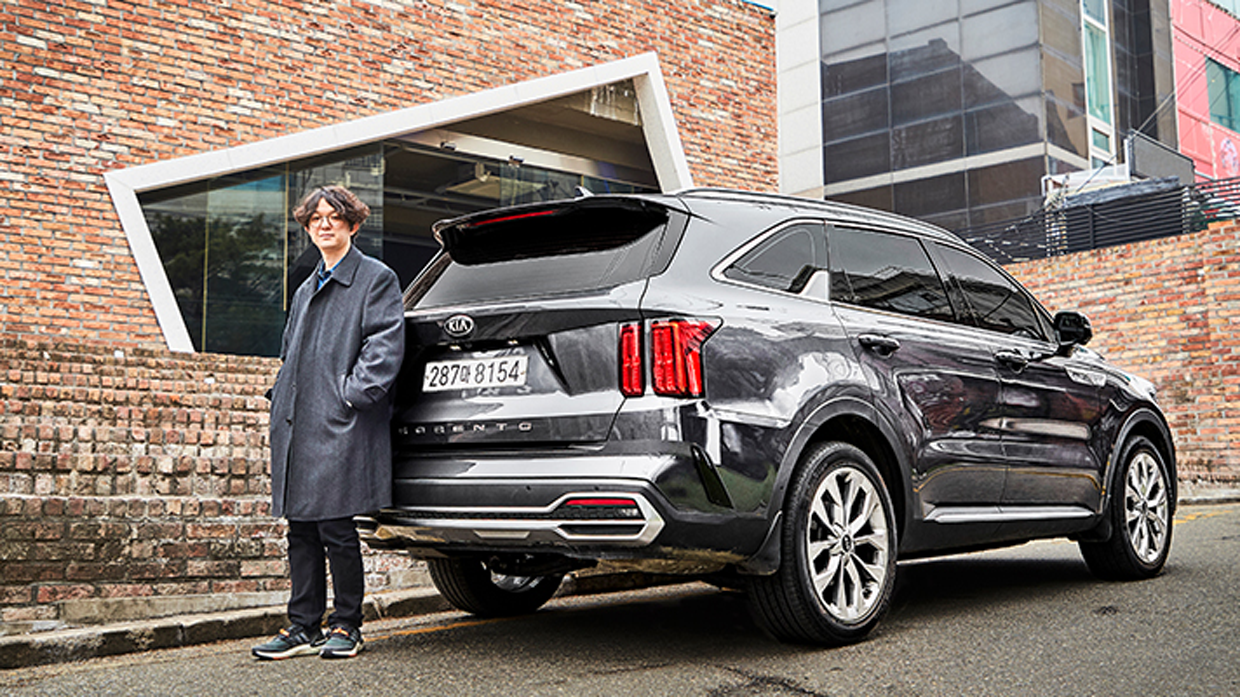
631,521
616,501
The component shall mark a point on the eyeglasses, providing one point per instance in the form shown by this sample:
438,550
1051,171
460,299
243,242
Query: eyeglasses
333,220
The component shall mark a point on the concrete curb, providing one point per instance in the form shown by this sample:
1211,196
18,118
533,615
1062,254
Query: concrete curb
41,648
61,646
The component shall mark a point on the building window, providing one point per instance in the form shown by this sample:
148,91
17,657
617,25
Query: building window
1224,90
1097,73
1099,99
234,255
1095,10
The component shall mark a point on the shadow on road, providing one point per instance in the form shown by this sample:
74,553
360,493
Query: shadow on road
699,620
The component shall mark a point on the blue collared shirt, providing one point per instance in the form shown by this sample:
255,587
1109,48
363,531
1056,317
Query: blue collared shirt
325,274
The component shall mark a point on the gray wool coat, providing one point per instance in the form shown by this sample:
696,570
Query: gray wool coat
331,453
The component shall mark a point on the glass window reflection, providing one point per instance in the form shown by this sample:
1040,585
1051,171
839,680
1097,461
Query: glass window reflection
926,97
233,255
945,192
1095,10
1061,29
1097,73
855,114
904,16
995,302
852,75
925,51
998,31
1005,182
885,272
1001,78
1064,80
785,261
927,142
1001,126
859,157
1066,127
853,26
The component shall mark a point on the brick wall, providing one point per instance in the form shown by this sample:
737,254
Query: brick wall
131,473
1168,310
144,473
91,85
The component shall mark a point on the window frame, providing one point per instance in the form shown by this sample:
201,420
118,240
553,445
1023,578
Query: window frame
1230,86
1099,80
959,298
935,266
719,270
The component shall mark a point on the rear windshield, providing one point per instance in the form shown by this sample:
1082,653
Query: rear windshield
540,253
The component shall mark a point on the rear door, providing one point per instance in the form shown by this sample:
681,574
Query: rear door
513,332
932,376
1051,405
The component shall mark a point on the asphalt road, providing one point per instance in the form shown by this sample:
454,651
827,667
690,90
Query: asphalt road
1023,621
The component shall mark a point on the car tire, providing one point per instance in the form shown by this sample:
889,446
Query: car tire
1140,511
469,585
838,552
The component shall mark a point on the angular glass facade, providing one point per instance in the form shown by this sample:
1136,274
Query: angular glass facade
954,110
234,255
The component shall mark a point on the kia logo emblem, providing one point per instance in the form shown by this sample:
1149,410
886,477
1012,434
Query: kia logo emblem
459,325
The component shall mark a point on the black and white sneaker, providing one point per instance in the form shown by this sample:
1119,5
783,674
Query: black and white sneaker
294,641
342,642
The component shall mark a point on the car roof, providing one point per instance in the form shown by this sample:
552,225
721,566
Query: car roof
683,200
835,210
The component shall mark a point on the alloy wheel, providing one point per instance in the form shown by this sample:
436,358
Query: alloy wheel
1146,507
848,544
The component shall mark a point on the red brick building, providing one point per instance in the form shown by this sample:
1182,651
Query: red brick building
142,138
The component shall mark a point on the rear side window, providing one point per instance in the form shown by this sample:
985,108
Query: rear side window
885,272
540,253
995,301
785,260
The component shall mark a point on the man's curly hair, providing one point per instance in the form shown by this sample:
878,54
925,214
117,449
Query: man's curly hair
343,201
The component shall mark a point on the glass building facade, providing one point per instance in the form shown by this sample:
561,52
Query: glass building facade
953,110
234,255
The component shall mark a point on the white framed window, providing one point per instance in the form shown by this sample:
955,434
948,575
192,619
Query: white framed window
1099,82
261,168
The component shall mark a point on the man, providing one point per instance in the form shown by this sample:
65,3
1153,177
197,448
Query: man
330,412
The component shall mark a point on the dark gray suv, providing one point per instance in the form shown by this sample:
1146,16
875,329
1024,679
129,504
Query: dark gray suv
767,392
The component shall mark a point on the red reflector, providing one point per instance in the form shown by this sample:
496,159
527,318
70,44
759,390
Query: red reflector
677,349
631,382
601,502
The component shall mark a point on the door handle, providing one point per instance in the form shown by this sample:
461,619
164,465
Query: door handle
1012,359
878,343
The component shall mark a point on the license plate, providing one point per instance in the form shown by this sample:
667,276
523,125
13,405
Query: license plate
508,371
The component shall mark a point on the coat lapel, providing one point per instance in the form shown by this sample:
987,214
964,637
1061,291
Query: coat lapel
344,271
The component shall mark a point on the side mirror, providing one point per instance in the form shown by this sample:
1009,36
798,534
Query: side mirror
1072,329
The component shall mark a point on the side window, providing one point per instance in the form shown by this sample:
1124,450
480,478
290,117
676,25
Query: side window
997,302
885,272
784,261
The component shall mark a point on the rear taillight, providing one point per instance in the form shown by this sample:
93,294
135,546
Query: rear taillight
631,383
675,353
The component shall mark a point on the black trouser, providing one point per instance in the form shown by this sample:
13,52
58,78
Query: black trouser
307,541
